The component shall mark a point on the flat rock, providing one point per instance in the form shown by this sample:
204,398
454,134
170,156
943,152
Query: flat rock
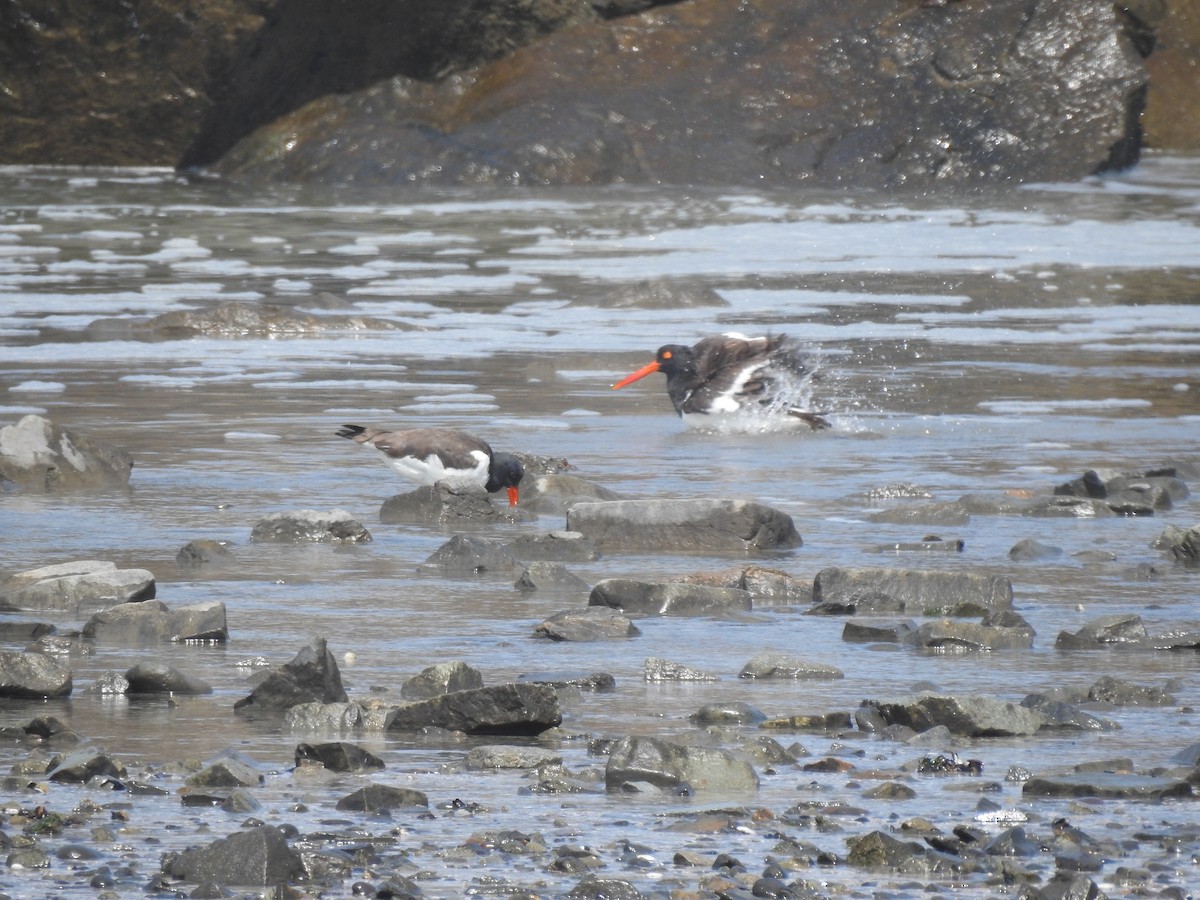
79,587
439,504
32,676
555,493
672,598
315,716
159,678
592,623
310,526
684,525
968,716
504,756
513,709
581,681
152,621
204,552
1107,786
376,798
676,767
554,546
1105,631
770,664
467,555
911,591
545,577
766,587
956,635
254,856
949,513
38,456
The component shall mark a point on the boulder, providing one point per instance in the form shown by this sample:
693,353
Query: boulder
956,635
441,678
795,92
1106,786
766,587
254,856
592,623
439,504
968,716
310,526
879,850
230,770
554,493
37,455
580,681
683,525
554,546
1028,549
466,555
771,664
339,756
375,798
878,632
79,587
153,621
672,598
503,756
195,554
658,669
912,591
312,676
159,678
513,709
324,717
549,577
32,676
83,765
1180,544
1116,628
676,767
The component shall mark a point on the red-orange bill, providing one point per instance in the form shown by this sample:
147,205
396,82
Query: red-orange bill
512,496
648,369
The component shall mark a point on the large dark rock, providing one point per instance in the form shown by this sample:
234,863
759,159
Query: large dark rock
515,709
339,756
310,526
153,621
866,94
38,455
159,678
379,797
969,716
311,677
1106,785
232,320
591,623
441,678
466,555
912,591
438,504
256,856
683,525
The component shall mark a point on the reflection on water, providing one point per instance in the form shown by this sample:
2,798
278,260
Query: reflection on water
992,344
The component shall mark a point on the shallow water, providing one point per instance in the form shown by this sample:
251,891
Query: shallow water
980,344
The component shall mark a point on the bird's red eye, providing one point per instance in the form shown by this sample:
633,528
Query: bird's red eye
666,354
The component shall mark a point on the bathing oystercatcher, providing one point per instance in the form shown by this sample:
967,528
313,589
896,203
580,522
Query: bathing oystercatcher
430,455
731,373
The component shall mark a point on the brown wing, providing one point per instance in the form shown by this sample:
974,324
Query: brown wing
453,447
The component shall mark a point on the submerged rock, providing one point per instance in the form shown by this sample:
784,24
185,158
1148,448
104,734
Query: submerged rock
672,598
231,320
683,525
914,591
339,756
466,555
159,678
310,526
592,623
676,767
38,455
771,664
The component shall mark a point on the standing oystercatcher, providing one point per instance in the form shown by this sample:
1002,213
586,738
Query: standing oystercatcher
430,455
732,373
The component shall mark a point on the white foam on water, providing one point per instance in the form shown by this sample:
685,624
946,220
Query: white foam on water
38,387
1019,407
251,437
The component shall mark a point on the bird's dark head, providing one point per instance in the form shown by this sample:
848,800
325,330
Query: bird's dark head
670,360
506,472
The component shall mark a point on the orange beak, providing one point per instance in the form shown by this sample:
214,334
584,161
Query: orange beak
648,369
512,496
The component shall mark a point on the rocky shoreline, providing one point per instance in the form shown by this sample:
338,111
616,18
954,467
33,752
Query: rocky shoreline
370,831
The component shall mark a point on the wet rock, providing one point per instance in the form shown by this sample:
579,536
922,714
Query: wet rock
955,635
1006,504
993,113
1028,549
195,554
153,621
439,504
441,678
255,856
323,717
765,586
683,525
79,587
32,676
82,766
733,713
878,633
310,526
916,591
503,756
14,632
1070,508
782,665
159,678
230,770
1107,786
554,494
944,514
312,676
657,669
592,623
675,767
1118,628
514,709
51,731
555,546
108,684
546,576
931,544
673,598
832,721
968,716
1119,692
339,756
1181,545
38,456
1066,716
878,850
466,555
582,681
1128,493
234,319
592,888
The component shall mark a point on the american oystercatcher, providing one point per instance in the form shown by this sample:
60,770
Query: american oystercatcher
430,455
732,373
